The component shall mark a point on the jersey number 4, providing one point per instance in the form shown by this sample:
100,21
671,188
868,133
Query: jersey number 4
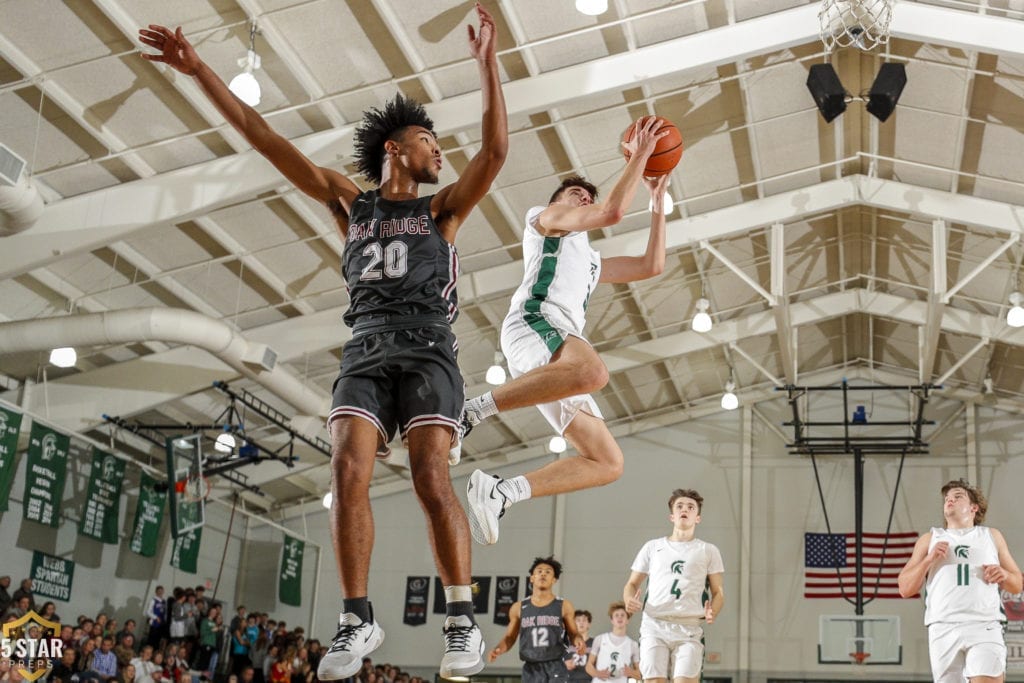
394,256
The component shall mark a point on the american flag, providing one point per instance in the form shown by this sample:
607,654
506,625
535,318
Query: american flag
825,553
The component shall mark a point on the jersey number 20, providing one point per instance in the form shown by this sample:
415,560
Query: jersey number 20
395,258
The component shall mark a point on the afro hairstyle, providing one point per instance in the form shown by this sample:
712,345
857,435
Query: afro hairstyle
380,125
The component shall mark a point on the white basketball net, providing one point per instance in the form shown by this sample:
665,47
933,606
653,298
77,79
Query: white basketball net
858,23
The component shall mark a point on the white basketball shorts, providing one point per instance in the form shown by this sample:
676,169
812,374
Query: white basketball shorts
965,649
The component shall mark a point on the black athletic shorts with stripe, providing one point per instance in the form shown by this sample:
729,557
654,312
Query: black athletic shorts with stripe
398,373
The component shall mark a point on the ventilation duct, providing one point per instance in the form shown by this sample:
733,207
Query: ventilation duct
20,203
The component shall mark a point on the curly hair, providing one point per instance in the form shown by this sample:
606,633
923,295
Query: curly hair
973,493
380,125
574,181
555,565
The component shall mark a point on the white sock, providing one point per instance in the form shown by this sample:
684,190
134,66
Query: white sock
516,489
458,594
483,406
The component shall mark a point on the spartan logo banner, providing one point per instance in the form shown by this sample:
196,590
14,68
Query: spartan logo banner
31,645
506,593
103,498
10,426
44,475
416,591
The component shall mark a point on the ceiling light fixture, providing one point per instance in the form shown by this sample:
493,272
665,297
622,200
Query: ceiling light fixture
557,445
729,399
1014,316
244,85
225,443
64,357
328,499
496,374
592,7
702,321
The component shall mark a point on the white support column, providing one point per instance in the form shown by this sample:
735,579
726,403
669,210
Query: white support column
780,303
972,442
929,334
746,521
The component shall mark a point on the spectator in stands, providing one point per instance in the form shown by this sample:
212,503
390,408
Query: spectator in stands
49,611
125,650
26,590
144,665
5,598
86,655
129,629
64,669
104,661
156,617
127,674
19,607
258,654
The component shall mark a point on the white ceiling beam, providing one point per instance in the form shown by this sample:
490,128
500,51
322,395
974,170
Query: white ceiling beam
1013,239
780,303
100,217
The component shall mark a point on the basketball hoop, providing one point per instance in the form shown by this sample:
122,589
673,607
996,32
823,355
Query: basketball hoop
859,23
859,661
193,489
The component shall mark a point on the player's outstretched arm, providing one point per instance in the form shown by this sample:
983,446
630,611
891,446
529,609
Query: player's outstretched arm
1006,574
569,621
631,592
559,218
592,669
914,573
176,51
633,268
457,200
511,633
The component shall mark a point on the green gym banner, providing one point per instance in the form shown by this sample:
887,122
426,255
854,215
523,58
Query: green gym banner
44,475
185,555
289,588
10,425
103,497
149,512
51,576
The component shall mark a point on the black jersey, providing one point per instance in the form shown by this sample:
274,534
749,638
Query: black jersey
541,632
396,262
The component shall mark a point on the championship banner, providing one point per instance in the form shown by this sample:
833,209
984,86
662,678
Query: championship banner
44,475
416,590
10,426
289,587
185,555
149,513
103,497
51,576
481,588
506,594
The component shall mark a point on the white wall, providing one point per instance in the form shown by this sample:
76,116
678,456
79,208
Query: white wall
605,527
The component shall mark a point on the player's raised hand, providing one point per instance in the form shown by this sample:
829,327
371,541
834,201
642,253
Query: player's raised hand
175,51
993,573
938,553
646,133
482,42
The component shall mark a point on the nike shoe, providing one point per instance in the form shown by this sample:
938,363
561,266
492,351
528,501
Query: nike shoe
487,505
354,640
468,420
463,647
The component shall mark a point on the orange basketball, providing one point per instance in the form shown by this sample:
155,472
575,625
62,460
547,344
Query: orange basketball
667,152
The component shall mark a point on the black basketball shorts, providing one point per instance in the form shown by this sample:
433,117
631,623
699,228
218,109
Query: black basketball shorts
399,379
542,672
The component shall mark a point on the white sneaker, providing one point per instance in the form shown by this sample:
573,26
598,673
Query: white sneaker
354,640
486,506
463,647
468,420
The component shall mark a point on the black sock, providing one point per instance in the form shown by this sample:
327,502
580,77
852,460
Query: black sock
359,607
464,609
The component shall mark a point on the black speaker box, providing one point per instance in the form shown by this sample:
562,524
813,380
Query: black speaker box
886,90
827,91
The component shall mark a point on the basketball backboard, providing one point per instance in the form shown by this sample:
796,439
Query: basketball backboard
187,487
859,640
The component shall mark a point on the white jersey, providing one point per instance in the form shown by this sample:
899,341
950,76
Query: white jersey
614,653
676,574
561,273
954,591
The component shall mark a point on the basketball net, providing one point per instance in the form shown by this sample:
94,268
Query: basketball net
858,23
859,661
193,489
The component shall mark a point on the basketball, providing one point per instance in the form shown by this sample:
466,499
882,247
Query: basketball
667,152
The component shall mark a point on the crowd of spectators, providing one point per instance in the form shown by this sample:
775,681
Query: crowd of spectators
184,637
